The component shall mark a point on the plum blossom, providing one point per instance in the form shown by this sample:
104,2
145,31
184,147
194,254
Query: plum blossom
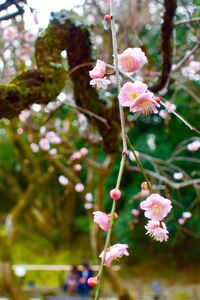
157,230
138,98
131,60
53,138
77,167
76,155
34,147
88,205
44,144
156,207
63,180
53,151
10,33
24,115
102,219
99,70
135,212
194,146
106,3
187,214
131,155
178,175
84,151
89,197
114,252
181,221
79,187
100,83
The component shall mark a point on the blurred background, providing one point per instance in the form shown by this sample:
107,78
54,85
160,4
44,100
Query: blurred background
60,146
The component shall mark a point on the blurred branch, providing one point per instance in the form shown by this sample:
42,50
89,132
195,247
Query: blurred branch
180,22
9,3
166,44
186,57
167,181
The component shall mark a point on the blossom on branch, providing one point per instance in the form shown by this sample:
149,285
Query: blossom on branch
156,207
137,97
157,230
131,60
114,252
99,70
100,83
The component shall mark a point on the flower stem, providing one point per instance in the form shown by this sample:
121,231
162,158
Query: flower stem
124,152
139,164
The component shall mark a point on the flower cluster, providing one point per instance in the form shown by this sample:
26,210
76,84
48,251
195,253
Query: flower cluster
135,95
185,216
156,209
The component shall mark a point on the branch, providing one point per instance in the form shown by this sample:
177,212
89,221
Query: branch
45,83
166,44
7,4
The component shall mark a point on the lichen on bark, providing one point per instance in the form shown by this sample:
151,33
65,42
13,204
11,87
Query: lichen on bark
66,32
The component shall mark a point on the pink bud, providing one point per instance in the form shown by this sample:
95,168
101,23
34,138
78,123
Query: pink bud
144,186
92,281
115,194
107,18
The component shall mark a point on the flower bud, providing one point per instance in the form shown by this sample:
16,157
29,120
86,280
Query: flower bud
92,281
115,194
107,18
144,185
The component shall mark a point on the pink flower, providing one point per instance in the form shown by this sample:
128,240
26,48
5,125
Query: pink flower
88,205
178,175
75,156
114,252
135,212
34,147
89,197
181,221
63,180
44,144
77,167
53,138
155,230
100,83
99,70
84,151
102,219
138,98
194,146
106,3
79,187
10,33
132,59
156,207
187,214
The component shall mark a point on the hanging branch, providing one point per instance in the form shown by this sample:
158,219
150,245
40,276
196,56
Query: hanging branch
166,44
9,3
42,85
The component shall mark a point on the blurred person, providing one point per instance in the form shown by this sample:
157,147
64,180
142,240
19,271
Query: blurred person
156,288
71,282
83,287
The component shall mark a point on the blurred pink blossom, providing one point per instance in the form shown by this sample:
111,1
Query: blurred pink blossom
187,214
89,197
114,252
132,59
53,138
194,146
63,180
10,33
135,212
79,187
44,144
84,151
34,147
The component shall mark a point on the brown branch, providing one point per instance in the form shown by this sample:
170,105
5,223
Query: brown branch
46,82
7,4
166,44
